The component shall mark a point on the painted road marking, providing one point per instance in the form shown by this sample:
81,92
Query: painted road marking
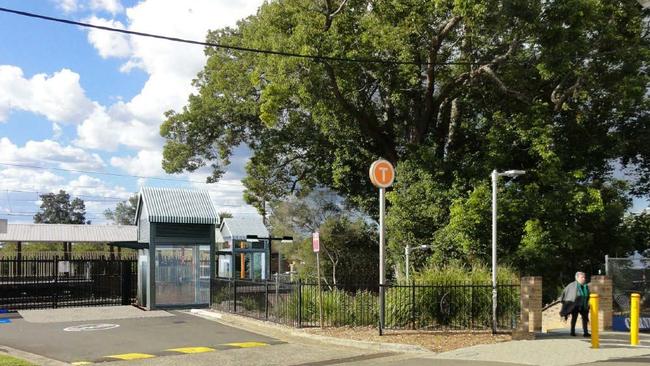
192,349
132,356
5,321
247,344
90,327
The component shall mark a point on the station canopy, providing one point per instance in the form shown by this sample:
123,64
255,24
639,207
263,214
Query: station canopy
70,233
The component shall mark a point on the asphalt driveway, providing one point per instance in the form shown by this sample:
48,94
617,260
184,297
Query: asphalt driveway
126,339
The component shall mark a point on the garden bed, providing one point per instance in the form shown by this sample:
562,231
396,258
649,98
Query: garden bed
436,341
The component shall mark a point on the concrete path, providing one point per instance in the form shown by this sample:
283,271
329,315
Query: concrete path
89,314
556,349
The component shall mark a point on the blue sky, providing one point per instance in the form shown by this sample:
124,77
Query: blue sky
76,99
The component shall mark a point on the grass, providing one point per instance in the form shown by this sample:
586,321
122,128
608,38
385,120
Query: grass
12,361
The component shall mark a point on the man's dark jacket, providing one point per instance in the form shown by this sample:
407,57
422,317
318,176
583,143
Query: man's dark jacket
570,299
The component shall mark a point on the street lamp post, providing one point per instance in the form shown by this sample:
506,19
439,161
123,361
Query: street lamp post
495,178
407,254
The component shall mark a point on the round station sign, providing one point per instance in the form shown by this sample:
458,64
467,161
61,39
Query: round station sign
382,173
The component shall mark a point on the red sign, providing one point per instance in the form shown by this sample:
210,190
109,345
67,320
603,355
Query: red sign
315,242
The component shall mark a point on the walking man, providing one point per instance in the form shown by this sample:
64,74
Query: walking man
575,300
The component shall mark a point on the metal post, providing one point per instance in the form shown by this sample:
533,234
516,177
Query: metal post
234,298
593,308
634,319
495,178
606,264
320,290
382,250
299,303
412,306
407,251
266,299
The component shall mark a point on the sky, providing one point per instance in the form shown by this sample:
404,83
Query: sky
93,101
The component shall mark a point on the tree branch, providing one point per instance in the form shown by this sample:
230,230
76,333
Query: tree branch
559,99
331,14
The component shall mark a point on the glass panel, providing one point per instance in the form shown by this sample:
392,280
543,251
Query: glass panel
203,293
182,275
259,266
224,265
175,275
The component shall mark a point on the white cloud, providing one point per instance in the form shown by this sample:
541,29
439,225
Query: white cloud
108,129
108,44
29,180
67,6
59,96
48,153
145,163
56,131
111,6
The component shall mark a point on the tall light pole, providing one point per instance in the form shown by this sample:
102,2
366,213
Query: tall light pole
407,254
495,179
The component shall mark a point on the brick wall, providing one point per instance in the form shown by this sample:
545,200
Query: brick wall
531,304
602,285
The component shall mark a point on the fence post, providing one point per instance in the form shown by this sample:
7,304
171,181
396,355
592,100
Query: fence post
56,282
266,299
234,300
299,303
412,305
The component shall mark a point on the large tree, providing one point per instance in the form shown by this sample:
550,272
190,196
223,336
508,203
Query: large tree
57,208
124,212
447,90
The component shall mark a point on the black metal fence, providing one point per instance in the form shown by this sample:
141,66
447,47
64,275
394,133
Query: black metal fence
447,306
38,283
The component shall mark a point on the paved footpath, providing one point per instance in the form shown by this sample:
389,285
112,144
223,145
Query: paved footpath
178,338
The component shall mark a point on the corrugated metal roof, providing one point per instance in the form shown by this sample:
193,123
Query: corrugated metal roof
70,233
178,206
238,228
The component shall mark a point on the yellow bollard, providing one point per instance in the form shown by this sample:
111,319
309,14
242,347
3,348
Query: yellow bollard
634,319
593,318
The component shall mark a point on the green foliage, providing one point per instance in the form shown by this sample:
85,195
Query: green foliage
124,213
637,229
12,361
557,88
56,208
349,252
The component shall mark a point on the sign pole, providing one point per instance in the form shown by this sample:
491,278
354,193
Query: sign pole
382,260
320,291
315,241
382,175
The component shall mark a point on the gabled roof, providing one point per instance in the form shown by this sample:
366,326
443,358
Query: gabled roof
70,233
177,206
238,228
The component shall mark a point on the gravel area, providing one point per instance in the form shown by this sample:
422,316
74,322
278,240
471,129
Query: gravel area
437,341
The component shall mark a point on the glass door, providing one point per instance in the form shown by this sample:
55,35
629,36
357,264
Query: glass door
181,277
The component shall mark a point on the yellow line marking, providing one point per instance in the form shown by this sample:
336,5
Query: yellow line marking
81,363
131,356
247,344
192,349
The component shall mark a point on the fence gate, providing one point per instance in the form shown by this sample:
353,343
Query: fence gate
41,283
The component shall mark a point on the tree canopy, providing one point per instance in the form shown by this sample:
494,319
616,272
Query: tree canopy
124,212
56,208
447,90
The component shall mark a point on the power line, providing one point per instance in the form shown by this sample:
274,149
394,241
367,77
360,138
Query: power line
231,47
111,174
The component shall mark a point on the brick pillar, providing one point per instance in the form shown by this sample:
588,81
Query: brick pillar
531,304
602,285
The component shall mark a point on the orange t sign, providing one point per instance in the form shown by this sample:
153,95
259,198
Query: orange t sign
382,173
